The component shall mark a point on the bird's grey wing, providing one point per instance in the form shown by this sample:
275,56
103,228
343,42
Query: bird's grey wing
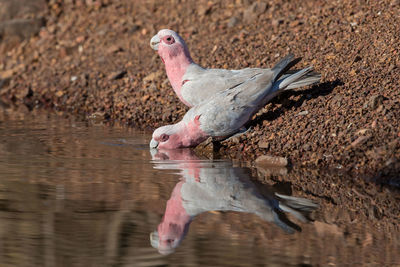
230,109
200,84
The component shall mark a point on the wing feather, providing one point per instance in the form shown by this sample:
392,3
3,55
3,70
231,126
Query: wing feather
202,83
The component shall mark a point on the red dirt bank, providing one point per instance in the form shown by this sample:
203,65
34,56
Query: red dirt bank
93,58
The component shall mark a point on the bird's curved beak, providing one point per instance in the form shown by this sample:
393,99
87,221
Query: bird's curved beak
154,42
153,143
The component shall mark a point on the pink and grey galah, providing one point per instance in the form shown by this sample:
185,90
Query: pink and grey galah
192,83
228,110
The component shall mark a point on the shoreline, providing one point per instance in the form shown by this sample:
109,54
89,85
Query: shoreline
95,61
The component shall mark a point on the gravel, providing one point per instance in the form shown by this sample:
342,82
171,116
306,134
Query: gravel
93,59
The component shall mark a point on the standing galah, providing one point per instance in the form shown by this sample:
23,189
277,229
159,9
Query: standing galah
228,110
192,83
218,186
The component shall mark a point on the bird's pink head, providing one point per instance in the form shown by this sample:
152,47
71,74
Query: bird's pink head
179,135
175,55
167,137
170,46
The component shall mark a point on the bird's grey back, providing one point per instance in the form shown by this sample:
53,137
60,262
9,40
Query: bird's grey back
202,84
228,110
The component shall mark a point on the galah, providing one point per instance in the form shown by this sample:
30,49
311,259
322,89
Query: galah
192,83
205,187
227,111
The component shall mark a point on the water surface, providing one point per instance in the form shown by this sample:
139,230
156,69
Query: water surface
73,194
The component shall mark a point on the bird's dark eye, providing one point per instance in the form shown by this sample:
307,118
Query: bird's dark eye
169,39
164,137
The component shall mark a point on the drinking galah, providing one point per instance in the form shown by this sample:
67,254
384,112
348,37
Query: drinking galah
192,83
227,111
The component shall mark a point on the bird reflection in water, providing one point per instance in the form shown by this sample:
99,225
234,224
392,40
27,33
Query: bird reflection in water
217,186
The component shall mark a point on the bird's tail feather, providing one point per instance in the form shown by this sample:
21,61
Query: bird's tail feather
308,79
298,79
282,66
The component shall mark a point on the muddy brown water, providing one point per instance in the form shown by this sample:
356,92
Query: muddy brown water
73,194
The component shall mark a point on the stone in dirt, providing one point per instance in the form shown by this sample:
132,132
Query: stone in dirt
21,28
19,20
12,9
118,75
254,11
272,161
233,22
152,77
360,140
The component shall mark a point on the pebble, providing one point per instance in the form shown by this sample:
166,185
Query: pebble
360,140
302,113
117,75
233,21
272,161
253,11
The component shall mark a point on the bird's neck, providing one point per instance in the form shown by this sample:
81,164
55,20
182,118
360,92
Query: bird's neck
176,64
192,134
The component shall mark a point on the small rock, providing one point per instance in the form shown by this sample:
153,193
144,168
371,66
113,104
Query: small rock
272,161
380,109
303,113
151,89
276,22
357,58
391,67
59,93
206,148
4,82
80,39
263,144
233,21
24,92
205,9
145,98
360,140
307,147
114,49
21,28
117,75
373,102
12,9
9,73
134,28
96,117
362,131
234,39
152,77
268,171
254,11
6,74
